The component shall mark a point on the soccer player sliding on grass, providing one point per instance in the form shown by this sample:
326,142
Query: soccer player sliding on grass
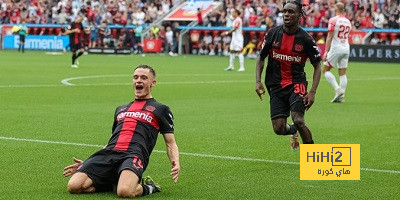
287,48
119,166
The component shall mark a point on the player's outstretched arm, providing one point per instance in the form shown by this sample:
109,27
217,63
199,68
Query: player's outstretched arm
310,97
173,155
71,169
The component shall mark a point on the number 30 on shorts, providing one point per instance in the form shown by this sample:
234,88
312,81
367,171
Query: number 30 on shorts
300,88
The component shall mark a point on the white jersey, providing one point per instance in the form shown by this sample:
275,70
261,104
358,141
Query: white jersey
341,27
238,24
237,36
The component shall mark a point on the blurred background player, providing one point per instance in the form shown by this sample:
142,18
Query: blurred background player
76,32
337,52
236,46
23,29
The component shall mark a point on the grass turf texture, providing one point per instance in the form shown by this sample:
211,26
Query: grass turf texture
216,112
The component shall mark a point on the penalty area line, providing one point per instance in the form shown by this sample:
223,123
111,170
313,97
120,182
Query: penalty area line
188,154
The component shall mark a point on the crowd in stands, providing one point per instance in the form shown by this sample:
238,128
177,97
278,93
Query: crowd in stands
99,14
123,12
378,14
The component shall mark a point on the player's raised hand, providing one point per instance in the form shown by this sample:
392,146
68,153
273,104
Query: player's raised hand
71,169
260,90
175,171
309,100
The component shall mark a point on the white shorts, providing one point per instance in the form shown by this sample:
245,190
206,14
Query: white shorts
236,45
339,60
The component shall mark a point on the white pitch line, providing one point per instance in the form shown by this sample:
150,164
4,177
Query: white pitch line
190,154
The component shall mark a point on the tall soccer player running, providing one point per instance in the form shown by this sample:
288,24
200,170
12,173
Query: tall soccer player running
119,165
76,33
287,47
337,52
236,46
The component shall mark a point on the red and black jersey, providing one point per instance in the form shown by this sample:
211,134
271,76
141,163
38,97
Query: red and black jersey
76,38
287,55
137,124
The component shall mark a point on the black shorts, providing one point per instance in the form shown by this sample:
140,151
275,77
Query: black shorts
284,100
22,38
76,46
105,166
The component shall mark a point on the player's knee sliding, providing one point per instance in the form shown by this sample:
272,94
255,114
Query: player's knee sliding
125,192
74,188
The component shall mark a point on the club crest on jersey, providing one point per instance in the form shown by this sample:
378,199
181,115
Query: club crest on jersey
150,108
298,47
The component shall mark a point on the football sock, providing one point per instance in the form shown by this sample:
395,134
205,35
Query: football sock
147,189
310,142
290,130
231,60
241,60
73,58
331,79
23,48
343,82
79,54
19,47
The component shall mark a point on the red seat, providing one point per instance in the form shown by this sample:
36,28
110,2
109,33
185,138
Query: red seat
114,33
383,35
50,31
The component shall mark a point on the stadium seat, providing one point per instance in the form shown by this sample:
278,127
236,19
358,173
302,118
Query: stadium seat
114,33
35,31
58,31
393,36
215,33
383,35
50,31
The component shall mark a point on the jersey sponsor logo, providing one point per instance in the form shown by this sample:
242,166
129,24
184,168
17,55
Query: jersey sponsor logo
137,114
284,57
298,47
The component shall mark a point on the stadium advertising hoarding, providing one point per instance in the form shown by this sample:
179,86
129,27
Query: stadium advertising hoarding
37,42
375,53
109,51
188,12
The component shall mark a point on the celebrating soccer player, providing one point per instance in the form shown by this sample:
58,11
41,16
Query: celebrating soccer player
288,46
236,47
337,52
134,134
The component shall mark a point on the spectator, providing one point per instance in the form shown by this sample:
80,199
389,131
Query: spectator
138,39
374,40
93,34
379,18
169,42
199,17
396,41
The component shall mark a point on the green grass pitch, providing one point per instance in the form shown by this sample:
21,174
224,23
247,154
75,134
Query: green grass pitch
223,130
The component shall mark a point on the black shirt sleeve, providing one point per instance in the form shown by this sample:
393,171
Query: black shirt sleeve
115,120
312,51
266,46
166,121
